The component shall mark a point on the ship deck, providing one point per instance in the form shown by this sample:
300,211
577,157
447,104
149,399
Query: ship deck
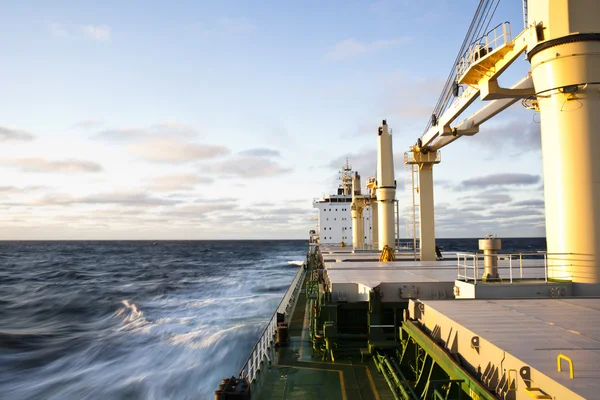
296,374
536,331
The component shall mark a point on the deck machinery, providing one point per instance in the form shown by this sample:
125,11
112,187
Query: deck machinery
487,325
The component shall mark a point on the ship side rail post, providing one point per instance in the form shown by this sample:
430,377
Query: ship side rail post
545,268
263,345
468,265
463,263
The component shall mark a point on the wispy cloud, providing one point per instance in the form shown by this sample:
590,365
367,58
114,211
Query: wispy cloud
52,166
178,182
173,151
248,167
10,190
260,152
162,130
100,33
530,203
488,197
88,124
503,179
515,135
199,210
7,134
352,48
125,198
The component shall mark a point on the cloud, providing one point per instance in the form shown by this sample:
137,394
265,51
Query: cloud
464,219
290,211
166,142
516,135
178,182
51,166
494,180
216,200
162,130
100,33
235,25
248,167
198,210
260,152
515,212
88,124
7,134
530,203
127,198
365,163
10,190
264,204
173,151
353,48
486,198
416,108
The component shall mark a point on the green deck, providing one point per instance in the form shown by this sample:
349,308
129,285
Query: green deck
296,374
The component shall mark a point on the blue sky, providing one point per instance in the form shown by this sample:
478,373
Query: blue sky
213,120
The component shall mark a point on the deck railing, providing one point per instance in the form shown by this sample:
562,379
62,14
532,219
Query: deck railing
262,348
486,44
470,265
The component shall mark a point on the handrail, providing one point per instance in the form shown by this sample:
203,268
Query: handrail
260,351
563,357
484,45
509,380
468,264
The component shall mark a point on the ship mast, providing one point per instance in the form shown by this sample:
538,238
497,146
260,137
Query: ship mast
346,179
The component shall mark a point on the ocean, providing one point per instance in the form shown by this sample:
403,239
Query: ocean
142,319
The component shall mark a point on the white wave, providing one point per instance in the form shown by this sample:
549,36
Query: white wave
296,262
132,316
190,339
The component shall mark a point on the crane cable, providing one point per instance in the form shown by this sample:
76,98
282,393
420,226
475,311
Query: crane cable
479,25
475,22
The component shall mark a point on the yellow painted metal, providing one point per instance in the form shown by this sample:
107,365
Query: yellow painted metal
511,389
386,187
356,211
425,161
387,254
566,77
485,66
559,364
537,393
485,71
374,222
426,213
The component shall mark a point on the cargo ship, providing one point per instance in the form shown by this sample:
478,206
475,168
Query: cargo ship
365,320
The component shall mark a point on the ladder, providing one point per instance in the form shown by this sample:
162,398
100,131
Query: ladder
412,222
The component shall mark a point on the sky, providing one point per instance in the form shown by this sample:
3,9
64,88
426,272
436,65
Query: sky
224,120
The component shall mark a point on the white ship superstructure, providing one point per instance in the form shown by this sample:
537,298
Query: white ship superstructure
335,220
